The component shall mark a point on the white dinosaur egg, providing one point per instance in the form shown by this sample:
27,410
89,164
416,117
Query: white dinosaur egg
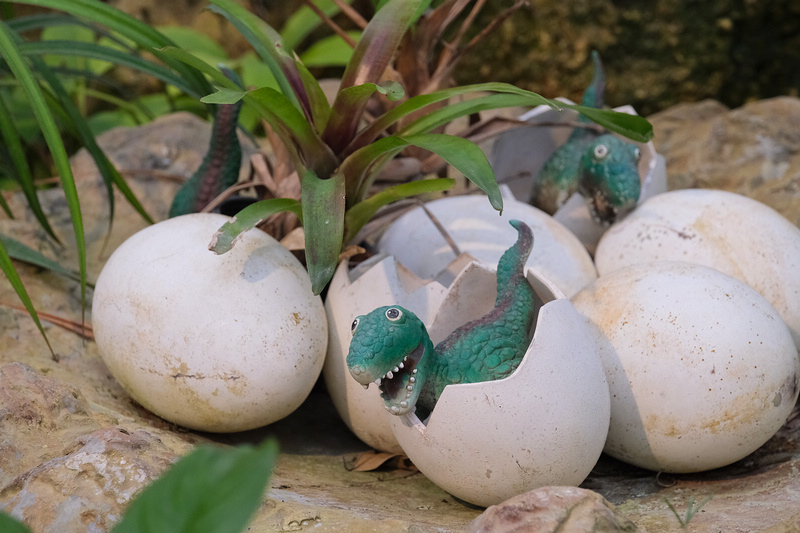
482,232
729,232
211,342
701,369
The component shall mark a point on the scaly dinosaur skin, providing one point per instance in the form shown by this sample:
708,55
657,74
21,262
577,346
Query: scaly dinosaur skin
221,164
603,169
391,347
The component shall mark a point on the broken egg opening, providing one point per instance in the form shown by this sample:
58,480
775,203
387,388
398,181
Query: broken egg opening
479,230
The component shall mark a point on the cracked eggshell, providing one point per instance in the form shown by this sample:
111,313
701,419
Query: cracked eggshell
210,342
734,234
546,424
702,370
374,283
482,232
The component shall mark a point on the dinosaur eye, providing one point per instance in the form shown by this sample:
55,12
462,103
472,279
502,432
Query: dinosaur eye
600,151
393,314
353,326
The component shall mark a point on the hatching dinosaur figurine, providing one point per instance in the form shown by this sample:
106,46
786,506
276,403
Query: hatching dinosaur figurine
601,168
391,347
221,164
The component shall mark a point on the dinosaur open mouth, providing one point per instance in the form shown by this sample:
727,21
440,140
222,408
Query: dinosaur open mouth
602,211
399,386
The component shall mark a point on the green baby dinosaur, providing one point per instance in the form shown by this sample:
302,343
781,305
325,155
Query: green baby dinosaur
221,164
391,347
601,168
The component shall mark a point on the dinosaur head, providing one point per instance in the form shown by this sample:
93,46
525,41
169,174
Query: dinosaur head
609,178
387,349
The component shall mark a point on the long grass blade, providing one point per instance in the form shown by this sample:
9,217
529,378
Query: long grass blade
13,277
137,31
21,252
636,128
23,172
24,76
104,53
110,175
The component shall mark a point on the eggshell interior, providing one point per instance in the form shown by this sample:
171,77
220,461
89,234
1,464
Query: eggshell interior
210,342
729,232
701,369
482,232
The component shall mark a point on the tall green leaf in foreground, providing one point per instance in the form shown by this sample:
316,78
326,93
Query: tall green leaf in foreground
213,490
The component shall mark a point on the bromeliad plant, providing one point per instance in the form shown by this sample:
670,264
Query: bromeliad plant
338,153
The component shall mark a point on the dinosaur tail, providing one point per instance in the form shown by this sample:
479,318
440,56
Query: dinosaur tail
593,96
511,266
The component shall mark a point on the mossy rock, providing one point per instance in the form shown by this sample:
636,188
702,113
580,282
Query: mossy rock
656,54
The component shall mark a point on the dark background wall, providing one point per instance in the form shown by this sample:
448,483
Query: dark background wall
656,53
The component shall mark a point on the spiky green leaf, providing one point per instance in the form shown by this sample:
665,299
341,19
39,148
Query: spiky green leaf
323,224
372,55
248,218
362,212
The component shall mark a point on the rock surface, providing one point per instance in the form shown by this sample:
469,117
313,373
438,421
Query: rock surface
552,509
68,426
753,150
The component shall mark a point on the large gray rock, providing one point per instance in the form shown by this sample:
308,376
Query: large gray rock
753,150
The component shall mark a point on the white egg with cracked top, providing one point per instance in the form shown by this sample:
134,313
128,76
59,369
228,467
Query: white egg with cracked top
210,342
702,370
545,424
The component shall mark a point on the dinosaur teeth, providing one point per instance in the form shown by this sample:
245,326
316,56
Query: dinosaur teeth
401,365
396,369
414,371
378,382
410,388
404,404
405,358
395,409
365,386
412,379
389,374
